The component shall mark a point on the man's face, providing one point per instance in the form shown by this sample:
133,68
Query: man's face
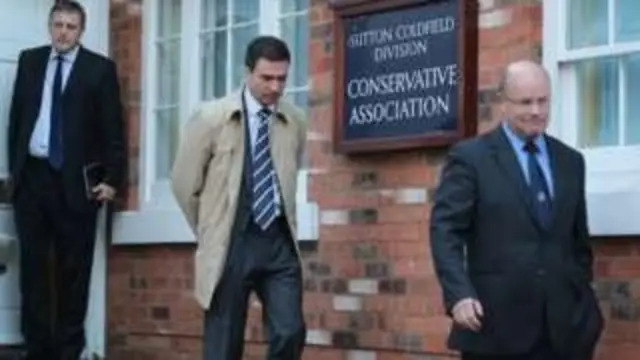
267,80
65,28
525,102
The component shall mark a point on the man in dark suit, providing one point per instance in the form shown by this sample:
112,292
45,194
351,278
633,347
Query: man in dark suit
65,114
509,236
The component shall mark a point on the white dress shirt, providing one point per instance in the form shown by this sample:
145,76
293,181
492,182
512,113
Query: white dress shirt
39,143
253,107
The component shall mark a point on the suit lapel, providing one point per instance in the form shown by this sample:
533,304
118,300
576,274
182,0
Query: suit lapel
559,174
40,68
506,158
75,74
281,152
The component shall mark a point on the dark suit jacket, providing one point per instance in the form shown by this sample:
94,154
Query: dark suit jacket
518,270
92,119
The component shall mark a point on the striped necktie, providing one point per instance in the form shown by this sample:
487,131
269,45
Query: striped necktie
264,177
538,186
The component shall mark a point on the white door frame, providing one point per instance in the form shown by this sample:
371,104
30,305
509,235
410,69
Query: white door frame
96,38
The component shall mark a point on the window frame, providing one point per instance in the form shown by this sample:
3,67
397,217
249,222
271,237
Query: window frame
158,218
613,172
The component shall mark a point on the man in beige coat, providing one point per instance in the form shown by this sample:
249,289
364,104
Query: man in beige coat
235,180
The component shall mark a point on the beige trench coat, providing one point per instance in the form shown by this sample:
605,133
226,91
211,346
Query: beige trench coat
207,174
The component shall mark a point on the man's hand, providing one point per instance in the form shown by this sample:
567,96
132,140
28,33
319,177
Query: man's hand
104,192
467,314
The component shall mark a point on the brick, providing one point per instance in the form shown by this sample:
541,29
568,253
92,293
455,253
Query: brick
320,269
347,303
363,286
321,31
399,286
318,337
410,342
345,339
160,313
310,285
339,286
308,248
486,4
400,214
325,286
376,270
625,310
364,251
320,14
412,196
361,355
361,321
363,216
334,217
365,180
626,267
494,19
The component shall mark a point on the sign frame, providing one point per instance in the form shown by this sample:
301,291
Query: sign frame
467,43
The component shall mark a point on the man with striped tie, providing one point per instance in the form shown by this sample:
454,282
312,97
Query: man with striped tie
234,177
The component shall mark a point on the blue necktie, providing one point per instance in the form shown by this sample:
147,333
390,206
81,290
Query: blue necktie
538,186
264,176
55,133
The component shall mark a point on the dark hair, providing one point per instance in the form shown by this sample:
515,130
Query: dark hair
267,47
69,6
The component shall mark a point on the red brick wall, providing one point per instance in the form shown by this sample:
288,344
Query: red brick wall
370,288
126,49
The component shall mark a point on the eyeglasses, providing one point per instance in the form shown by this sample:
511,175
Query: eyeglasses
541,101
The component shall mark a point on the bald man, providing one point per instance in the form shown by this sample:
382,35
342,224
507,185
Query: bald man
509,236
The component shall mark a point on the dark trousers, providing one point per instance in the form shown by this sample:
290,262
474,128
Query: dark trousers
543,349
54,304
264,261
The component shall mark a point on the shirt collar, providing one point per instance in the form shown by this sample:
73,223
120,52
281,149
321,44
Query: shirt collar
69,56
519,143
253,106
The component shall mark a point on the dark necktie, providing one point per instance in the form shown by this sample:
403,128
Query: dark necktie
55,134
264,177
540,193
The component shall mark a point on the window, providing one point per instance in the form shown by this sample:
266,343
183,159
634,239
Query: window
167,92
293,25
595,68
226,28
187,61
164,98
605,43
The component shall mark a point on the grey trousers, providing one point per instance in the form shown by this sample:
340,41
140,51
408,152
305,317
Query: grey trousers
264,262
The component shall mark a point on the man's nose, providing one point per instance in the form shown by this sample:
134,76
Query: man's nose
275,85
536,108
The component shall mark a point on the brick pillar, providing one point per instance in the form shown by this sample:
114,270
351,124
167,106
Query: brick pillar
126,51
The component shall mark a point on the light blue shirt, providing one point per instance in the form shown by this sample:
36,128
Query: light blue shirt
542,156
253,108
39,143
